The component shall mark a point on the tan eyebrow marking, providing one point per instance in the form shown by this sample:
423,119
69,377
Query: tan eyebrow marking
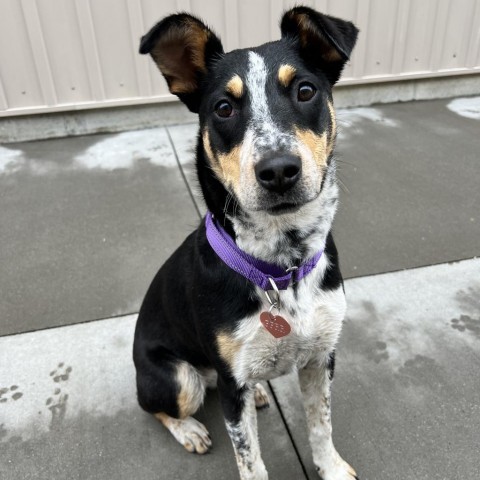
317,144
286,73
235,86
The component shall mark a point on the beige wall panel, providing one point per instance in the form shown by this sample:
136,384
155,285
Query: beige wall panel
309,3
379,36
3,98
62,39
214,16
473,53
419,36
456,35
90,50
254,20
137,29
69,54
115,50
39,51
17,67
440,21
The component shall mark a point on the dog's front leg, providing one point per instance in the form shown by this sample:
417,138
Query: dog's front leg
315,381
241,421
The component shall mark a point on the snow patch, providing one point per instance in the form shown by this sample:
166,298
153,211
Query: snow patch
468,107
10,160
125,149
115,152
349,119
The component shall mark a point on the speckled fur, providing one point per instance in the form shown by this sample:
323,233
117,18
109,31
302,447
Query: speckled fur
250,115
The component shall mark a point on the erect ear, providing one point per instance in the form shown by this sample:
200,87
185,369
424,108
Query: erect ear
182,47
323,40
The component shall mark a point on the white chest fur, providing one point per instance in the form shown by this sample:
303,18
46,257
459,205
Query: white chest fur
315,317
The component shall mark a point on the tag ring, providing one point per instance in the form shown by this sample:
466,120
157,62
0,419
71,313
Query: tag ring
273,306
276,301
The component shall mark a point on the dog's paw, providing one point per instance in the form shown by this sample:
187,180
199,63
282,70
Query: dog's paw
261,396
337,469
189,432
193,435
257,471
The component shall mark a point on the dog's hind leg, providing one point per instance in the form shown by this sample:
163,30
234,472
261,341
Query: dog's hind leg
173,391
192,434
315,381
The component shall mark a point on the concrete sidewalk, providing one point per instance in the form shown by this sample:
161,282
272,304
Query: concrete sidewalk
87,221
406,400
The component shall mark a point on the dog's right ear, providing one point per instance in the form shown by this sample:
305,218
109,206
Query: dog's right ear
324,40
183,48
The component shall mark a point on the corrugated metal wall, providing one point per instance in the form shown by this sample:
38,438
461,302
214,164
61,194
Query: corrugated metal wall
74,54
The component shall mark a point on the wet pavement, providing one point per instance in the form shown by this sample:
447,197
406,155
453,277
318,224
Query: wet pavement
87,221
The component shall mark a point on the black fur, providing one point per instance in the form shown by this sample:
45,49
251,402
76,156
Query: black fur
195,296
331,365
333,277
183,309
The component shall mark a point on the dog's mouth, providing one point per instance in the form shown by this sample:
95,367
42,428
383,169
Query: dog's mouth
284,208
292,205
274,204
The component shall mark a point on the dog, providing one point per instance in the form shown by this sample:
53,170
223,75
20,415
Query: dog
256,291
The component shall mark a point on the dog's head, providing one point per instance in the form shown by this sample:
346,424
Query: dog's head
267,123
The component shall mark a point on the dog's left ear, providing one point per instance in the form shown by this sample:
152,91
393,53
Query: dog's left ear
183,48
325,41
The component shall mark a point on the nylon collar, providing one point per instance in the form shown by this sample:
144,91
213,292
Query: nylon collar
253,269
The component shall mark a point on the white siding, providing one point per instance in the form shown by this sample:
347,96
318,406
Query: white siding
71,54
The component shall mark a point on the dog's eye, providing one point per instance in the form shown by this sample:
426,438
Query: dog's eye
223,109
306,92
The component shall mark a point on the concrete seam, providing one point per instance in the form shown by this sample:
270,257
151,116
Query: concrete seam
289,433
182,172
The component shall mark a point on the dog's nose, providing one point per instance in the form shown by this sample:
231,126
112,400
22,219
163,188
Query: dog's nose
278,174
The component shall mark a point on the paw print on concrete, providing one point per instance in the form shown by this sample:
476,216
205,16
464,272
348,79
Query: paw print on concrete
465,322
10,393
57,403
61,373
416,370
378,353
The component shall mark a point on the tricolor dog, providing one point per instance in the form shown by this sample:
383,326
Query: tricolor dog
256,291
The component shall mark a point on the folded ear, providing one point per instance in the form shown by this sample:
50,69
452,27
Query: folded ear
182,47
323,40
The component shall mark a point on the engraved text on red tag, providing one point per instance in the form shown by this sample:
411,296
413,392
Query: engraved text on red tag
275,324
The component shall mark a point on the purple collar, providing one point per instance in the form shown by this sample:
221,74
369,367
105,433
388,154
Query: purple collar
253,269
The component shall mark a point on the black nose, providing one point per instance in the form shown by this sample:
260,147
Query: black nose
278,174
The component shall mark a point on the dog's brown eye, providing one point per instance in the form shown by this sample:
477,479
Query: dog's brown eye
223,109
306,91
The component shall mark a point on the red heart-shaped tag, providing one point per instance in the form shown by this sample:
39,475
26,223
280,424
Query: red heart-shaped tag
275,324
